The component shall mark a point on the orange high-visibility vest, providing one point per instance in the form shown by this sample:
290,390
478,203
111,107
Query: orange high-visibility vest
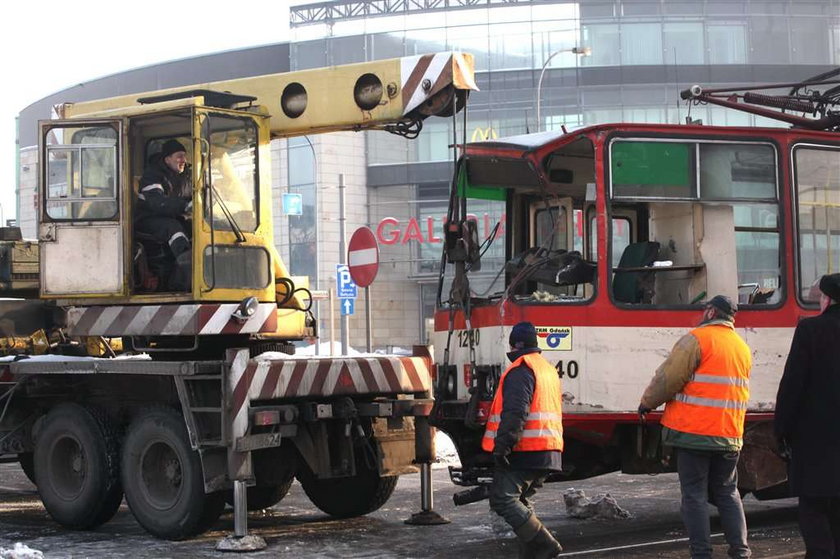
714,401
544,424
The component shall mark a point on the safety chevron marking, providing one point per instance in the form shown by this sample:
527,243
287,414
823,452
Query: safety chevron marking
315,377
426,74
169,320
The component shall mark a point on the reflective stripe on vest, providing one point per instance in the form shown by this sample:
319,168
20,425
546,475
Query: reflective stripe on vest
714,401
543,428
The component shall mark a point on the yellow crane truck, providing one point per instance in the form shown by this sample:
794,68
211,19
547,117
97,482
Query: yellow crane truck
208,416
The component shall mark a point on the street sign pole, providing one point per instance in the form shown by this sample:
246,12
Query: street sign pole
368,322
342,251
332,322
363,264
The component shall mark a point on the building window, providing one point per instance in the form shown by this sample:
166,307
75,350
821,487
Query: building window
303,229
641,43
727,43
603,39
683,43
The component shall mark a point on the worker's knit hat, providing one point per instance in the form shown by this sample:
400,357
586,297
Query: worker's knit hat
523,335
830,285
170,147
724,305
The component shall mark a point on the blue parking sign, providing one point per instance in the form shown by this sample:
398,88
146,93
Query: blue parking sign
292,203
345,286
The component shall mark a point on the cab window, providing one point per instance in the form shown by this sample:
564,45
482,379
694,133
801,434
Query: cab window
81,173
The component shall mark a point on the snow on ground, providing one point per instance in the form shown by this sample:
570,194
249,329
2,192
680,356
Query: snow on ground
604,506
20,551
446,453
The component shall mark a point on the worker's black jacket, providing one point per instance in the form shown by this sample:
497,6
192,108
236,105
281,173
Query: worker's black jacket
808,406
516,404
162,191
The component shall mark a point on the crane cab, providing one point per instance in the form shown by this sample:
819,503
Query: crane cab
90,178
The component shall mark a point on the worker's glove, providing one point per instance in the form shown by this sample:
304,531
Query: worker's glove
500,461
643,411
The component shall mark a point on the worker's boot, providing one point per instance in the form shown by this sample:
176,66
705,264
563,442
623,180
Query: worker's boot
181,279
544,546
535,541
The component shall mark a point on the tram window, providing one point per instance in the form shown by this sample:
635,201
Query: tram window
731,171
817,175
621,237
758,253
548,242
708,222
652,169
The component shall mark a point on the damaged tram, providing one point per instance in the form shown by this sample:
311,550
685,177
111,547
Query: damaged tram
612,238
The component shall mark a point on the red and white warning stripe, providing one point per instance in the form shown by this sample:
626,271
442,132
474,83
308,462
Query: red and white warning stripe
437,71
168,320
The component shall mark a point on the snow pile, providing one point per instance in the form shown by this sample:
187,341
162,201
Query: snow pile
20,551
603,506
447,455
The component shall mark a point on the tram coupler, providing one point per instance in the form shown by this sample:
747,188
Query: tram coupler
474,495
240,540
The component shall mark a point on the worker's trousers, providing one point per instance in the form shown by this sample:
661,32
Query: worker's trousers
511,492
706,475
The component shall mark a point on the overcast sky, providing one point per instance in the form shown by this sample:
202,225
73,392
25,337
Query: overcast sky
49,45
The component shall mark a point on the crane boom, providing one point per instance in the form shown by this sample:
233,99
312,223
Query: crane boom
349,97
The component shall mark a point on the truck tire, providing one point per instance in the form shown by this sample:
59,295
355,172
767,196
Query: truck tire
27,464
76,466
349,496
263,496
163,479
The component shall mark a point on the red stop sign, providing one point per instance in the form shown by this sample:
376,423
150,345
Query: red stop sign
363,257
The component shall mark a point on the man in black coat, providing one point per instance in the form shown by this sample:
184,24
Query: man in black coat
164,202
806,422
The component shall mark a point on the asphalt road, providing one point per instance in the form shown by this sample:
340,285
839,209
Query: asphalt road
295,528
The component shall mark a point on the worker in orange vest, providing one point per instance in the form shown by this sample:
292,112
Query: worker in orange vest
525,434
704,384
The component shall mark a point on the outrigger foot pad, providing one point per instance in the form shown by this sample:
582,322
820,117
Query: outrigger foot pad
241,543
427,518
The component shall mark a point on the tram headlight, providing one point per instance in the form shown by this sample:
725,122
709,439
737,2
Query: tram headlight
451,388
446,382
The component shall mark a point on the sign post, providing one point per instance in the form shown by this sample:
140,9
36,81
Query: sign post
363,260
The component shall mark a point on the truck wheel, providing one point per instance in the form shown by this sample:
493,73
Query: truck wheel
163,480
27,464
349,496
76,466
263,496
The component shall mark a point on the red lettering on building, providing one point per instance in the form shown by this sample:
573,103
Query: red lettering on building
393,235
412,232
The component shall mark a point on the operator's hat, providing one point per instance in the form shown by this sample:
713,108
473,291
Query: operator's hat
170,147
523,335
830,285
725,306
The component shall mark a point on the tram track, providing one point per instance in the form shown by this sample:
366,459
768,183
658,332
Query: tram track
773,534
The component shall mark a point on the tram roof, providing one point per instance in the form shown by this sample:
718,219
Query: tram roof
524,143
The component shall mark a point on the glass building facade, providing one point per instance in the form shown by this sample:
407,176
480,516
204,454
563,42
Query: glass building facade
639,55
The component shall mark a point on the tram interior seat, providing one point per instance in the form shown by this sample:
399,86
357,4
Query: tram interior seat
637,286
